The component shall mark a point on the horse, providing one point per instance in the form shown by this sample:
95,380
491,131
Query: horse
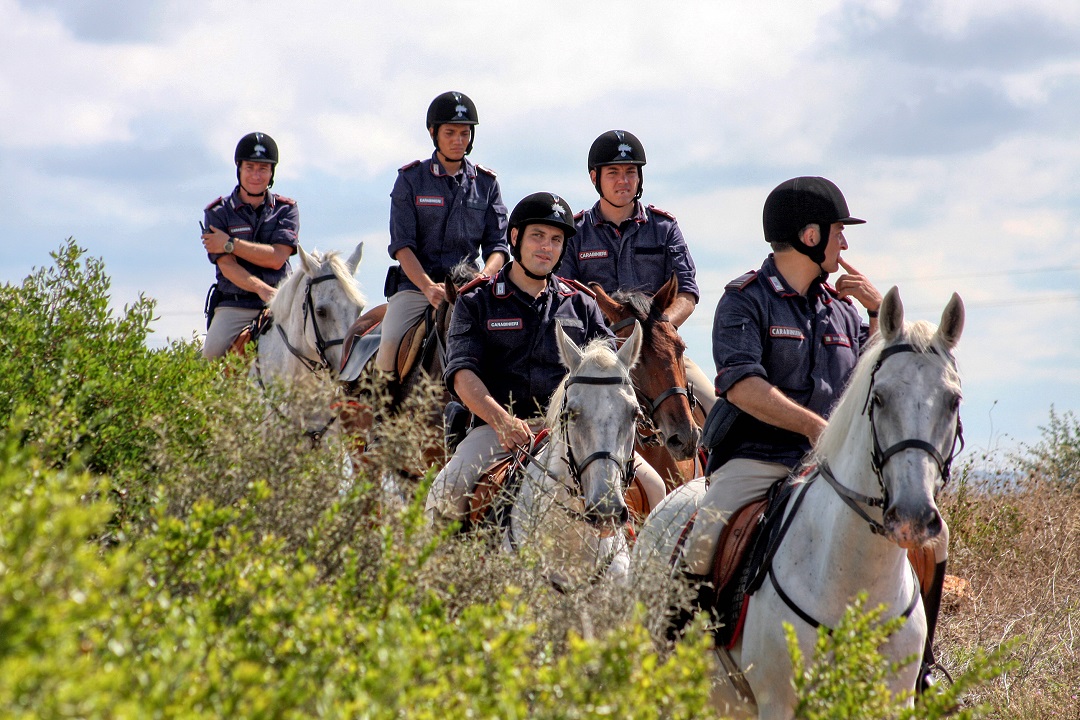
312,311
568,503
426,359
867,498
669,432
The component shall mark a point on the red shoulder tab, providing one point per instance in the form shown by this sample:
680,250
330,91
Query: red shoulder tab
576,286
413,164
476,281
580,214
486,170
835,294
285,200
661,213
216,203
743,281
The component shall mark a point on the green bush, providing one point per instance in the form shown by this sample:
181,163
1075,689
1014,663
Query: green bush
1056,457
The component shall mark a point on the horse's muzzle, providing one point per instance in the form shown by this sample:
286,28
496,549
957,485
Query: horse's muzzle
911,530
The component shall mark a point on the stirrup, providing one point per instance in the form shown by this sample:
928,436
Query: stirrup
926,681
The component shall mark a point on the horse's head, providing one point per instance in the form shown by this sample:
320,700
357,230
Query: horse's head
907,390
660,375
317,305
594,413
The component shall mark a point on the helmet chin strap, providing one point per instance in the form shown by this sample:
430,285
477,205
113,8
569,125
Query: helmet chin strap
531,274
637,195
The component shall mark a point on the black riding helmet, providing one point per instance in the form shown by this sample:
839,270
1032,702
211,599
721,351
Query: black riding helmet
796,203
256,147
456,109
617,147
546,209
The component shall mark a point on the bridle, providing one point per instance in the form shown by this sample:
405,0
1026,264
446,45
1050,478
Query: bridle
626,465
321,344
879,457
648,432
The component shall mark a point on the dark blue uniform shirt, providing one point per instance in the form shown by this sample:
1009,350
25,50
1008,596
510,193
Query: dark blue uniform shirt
507,338
275,222
639,255
805,346
445,219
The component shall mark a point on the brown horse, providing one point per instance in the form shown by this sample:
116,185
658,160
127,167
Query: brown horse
669,432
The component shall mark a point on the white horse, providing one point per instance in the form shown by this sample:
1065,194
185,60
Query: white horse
569,504
889,442
312,311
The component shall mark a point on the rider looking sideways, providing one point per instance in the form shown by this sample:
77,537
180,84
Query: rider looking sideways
503,358
249,236
622,244
443,210
785,344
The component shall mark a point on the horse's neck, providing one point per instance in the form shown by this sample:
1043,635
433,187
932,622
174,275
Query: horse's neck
278,360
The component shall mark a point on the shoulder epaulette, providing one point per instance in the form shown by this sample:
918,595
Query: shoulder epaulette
413,164
741,282
475,282
580,214
835,294
285,200
577,286
487,170
662,213
216,203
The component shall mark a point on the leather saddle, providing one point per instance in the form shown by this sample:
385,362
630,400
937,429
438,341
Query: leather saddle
251,333
362,343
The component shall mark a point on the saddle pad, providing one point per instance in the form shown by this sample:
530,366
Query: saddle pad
411,344
735,541
364,326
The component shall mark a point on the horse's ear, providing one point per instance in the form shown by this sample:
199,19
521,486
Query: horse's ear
307,263
666,295
628,353
568,350
451,291
608,307
354,260
891,314
952,322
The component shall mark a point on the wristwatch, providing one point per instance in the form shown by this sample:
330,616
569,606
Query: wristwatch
229,245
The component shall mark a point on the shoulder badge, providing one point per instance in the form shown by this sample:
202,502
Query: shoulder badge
413,164
486,170
743,281
216,203
285,200
661,213
573,286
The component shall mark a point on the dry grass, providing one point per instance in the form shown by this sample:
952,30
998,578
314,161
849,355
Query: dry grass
1018,546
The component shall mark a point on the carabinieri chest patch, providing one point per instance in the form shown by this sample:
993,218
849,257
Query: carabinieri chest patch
505,324
789,333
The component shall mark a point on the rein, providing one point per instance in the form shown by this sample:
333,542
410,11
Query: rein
576,469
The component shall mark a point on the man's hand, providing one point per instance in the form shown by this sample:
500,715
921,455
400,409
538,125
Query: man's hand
214,240
513,433
435,294
855,284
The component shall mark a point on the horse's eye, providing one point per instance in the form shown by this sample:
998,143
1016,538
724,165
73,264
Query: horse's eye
321,312
876,399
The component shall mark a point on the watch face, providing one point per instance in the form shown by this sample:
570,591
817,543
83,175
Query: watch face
229,246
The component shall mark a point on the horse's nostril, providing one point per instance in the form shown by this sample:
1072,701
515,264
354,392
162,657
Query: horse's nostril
675,441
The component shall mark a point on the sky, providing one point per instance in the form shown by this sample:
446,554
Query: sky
950,125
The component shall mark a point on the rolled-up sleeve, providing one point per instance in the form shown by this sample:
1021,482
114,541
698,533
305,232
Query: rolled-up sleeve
464,346
402,216
737,341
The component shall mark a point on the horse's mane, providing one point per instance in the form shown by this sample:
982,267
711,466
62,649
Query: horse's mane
597,354
919,334
462,273
287,292
641,308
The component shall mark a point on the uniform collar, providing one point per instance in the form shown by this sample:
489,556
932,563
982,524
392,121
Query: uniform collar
638,217
269,202
502,286
468,169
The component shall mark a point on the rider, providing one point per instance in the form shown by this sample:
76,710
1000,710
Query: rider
503,358
785,343
249,236
622,244
443,210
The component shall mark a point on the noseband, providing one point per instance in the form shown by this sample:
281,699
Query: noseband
626,465
649,405
321,345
